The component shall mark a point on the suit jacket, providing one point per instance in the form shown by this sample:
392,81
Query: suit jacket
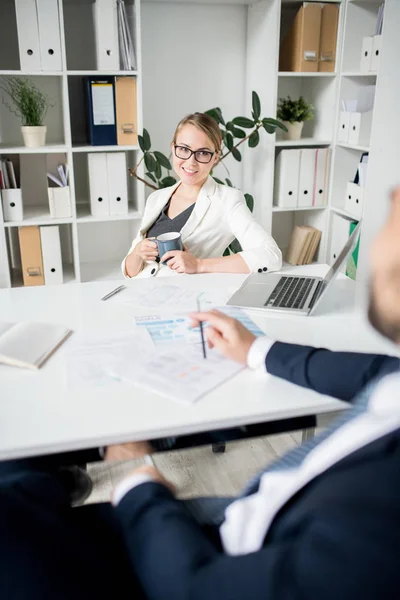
219,216
338,538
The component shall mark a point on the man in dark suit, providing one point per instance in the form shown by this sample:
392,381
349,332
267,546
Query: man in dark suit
321,523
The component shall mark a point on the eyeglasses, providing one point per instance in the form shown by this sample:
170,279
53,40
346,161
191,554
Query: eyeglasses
202,156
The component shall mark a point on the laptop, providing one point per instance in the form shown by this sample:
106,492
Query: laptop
296,294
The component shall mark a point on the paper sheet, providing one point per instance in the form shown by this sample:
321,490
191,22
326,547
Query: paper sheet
171,297
181,373
90,356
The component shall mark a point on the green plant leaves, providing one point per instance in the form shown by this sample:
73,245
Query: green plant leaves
167,181
294,110
218,180
229,141
256,106
254,139
229,182
144,141
236,154
238,133
158,170
243,122
162,160
151,176
216,114
249,201
273,123
150,162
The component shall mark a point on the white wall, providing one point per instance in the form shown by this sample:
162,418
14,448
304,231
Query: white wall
193,59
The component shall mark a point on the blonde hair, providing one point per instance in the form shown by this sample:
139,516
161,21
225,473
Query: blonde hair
206,124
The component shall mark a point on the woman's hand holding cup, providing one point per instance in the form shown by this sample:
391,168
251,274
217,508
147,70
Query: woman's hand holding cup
146,249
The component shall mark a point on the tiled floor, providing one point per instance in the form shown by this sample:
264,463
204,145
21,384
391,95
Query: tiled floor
198,471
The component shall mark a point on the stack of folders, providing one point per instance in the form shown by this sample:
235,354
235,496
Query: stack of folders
310,44
108,183
112,110
40,255
303,245
301,178
10,192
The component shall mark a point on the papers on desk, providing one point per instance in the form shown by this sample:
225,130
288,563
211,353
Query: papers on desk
165,330
171,297
90,356
180,373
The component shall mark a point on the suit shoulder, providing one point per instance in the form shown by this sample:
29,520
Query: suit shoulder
229,195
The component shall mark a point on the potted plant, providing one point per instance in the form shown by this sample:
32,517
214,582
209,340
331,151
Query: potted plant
293,113
30,104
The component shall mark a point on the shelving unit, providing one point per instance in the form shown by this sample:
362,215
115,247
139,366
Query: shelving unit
233,61
89,244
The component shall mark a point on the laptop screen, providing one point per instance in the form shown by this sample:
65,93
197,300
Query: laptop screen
334,270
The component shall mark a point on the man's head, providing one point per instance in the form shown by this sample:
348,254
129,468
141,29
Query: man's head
384,306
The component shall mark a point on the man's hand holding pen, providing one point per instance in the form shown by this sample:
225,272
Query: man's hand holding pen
226,334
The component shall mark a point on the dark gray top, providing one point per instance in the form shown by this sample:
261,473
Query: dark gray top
164,224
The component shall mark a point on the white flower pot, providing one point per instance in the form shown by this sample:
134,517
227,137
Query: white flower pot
34,136
293,130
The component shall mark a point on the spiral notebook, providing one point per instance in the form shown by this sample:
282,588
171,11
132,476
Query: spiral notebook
28,345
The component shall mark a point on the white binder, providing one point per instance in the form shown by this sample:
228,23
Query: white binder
339,235
28,35
49,32
360,128
98,184
106,34
344,124
354,199
366,54
376,53
12,205
286,179
117,184
306,177
51,255
321,177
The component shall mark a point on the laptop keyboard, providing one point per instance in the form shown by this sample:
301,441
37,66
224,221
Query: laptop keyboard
291,292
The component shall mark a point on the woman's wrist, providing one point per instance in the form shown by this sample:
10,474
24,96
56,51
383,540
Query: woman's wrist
201,265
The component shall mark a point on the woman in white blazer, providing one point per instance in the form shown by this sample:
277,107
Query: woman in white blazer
208,215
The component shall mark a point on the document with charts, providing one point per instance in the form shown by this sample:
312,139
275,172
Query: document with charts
180,372
165,329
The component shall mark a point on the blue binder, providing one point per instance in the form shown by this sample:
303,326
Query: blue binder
102,129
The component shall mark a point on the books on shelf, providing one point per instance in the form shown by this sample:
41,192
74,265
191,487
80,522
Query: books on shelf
310,44
28,345
303,245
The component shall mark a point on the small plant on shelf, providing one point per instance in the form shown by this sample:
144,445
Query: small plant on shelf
29,104
293,114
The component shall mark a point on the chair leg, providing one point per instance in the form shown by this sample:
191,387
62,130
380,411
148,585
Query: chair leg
219,447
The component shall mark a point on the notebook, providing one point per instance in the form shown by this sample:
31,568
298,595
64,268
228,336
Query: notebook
28,345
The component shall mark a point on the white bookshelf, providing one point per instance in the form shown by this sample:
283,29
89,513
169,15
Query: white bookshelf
89,244
239,41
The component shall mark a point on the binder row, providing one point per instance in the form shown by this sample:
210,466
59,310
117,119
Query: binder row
112,110
310,44
39,41
108,183
40,255
301,178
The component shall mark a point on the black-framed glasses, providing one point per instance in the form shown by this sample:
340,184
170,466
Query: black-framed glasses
202,156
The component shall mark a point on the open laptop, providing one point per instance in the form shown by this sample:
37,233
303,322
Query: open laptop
298,294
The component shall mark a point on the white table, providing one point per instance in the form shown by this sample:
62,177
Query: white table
39,414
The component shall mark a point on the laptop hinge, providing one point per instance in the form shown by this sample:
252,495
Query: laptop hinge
316,294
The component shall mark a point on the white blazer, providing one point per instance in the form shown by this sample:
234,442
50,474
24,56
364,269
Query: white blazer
220,215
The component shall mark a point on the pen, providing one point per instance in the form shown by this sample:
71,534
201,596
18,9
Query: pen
118,289
201,332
